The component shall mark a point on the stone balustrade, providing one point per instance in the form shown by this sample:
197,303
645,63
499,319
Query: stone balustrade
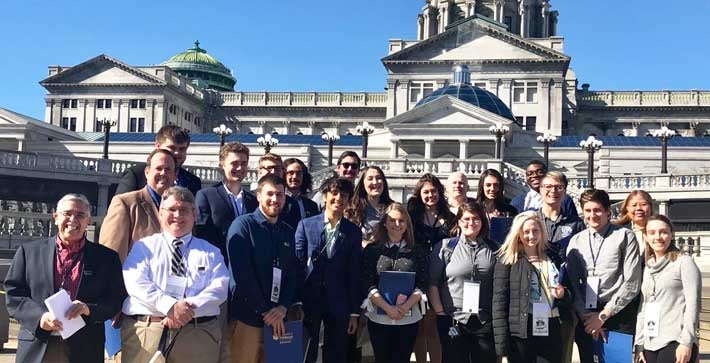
304,99
661,182
439,167
644,98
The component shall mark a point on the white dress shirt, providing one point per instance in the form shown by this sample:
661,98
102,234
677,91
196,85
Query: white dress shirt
533,200
147,268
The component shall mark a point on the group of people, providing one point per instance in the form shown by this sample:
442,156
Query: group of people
203,271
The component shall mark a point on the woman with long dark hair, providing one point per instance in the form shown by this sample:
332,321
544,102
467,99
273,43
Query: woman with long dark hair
635,211
371,197
490,195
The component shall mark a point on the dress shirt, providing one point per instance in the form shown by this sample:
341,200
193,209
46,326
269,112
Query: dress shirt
237,200
613,257
147,268
330,234
155,196
68,266
533,200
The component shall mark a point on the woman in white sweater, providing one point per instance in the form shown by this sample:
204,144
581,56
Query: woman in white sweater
670,299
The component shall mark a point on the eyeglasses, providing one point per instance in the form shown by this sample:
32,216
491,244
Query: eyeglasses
174,211
294,172
555,187
350,166
536,172
271,168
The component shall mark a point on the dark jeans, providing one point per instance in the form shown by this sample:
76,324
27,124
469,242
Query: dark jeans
538,349
392,343
667,354
335,337
473,344
623,322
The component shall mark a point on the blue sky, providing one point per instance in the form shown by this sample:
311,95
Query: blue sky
325,45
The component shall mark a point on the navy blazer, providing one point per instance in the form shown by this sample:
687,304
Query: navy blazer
215,213
334,284
134,178
30,281
254,247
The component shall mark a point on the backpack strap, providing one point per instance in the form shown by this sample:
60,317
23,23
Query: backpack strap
447,249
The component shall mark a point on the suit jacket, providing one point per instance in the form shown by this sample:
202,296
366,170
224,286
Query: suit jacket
130,217
333,286
134,179
309,206
30,281
215,213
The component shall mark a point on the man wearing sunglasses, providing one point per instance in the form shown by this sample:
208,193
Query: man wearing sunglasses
348,167
532,200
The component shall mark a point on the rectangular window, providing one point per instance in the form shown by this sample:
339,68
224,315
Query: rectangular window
524,92
99,103
531,92
107,104
132,125
72,123
65,103
134,103
481,85
65,123
141,124
73,103
519,120
419,90
98,126
141,103
518,91
530,123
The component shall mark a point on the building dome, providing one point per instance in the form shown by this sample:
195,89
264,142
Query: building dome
465,91
196,64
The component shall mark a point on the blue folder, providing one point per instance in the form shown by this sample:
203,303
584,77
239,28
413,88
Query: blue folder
113,339
618,348
289,348
500,226
393,283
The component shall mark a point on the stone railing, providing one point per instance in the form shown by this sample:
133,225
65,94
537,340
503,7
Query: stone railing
644,98
439,167
304,99
660,182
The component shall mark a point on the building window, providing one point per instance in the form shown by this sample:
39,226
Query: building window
524,92
419,90
72,123
137,103
481,85
103,103
69,103
519,120
98,126
530,123
73,103
65,123
136,124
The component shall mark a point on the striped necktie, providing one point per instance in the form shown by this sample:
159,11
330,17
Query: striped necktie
177,267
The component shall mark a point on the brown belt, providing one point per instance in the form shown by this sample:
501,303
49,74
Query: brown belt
157,319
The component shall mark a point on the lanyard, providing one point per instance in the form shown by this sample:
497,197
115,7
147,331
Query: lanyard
599,250
474,264
396,255
542,279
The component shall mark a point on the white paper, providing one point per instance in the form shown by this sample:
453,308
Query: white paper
652,318
58,305
176,286
592,293
471,296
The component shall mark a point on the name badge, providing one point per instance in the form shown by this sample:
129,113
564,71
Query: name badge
541,319
471,296
176,286
652,319
592,294
276,285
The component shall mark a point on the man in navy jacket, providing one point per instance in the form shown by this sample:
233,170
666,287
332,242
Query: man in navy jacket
328,248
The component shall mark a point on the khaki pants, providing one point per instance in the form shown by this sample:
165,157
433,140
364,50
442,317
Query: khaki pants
57,351
195,343
224,346
247,343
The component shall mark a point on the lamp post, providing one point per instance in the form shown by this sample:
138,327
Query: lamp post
547,139
365,129
222,131
498,130
106,126
665,134
331,140
591,144
267,142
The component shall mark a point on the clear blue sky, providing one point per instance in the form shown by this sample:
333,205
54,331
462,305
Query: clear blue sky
322,45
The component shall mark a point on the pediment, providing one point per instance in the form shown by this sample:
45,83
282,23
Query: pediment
447,113
475,40
102,70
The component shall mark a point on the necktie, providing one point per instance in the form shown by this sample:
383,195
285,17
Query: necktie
176,264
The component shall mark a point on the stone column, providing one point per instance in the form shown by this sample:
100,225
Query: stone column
544,99
663,208
505,92
546,19
556,104
123,115
427,148
402,101
391,98
287,127
498,11
394,148
420,27
463,149
102,202
90,116
48,111
312,127
523,19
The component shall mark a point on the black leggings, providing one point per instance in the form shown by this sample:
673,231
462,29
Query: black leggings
538,349
667,354
392,343
473,344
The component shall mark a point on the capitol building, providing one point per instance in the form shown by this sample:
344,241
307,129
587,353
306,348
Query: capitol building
475,64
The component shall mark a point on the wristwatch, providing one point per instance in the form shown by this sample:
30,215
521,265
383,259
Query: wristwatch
603,317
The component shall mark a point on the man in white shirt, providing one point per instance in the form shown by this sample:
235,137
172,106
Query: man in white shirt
175,281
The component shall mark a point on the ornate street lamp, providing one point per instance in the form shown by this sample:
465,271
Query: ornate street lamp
665,134
267,142
222,131
106,126
365,129
547,139
591,144
498,130
330,139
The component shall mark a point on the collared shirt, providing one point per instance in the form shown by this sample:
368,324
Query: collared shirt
179,178
147,268
533,200
613,257
330,235
559,233
370,221
299,200
155,196
237,200
68,265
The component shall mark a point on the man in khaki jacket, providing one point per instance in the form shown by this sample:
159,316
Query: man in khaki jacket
134,215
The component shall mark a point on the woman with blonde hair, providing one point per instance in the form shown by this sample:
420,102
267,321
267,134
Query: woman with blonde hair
635,210
667,322
526,295
393,332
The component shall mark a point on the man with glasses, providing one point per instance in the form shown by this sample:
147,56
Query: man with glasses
298,185
532,200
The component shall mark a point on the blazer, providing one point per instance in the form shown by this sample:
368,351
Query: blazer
30,281
309,206
134,179
333,285
130,217
215,213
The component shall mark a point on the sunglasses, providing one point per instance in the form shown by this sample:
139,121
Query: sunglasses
350,166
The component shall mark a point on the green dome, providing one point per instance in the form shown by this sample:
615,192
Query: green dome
196,64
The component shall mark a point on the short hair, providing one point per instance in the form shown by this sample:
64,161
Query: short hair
160,151
75,197
556,175
349,153
337,184
270,179
179,193
172,132
595,195
271,157
537,162
307,183
232,147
